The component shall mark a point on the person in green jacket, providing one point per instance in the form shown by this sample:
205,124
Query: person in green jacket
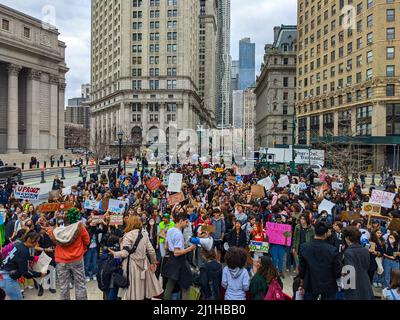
303,232
265,274
163,228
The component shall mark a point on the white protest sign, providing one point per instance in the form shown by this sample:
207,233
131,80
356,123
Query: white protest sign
385,199
26,193
67,191
302,186
284,181
207,172
116,206
337,185
175,182
267,183
91,205
43,263
326,205
295,188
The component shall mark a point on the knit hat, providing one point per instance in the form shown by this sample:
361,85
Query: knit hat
73,215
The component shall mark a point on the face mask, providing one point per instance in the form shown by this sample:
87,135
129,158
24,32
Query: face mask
392,241
12,209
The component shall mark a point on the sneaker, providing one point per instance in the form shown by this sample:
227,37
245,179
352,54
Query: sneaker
41,291
375,285
94,278
380,285
53,291
87,279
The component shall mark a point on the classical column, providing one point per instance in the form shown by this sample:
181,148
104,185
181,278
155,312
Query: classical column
61,116
162,117
112,138
180,116
321,125
336,123
106,129
53,138
186,115
33,112
12,113
145,122
128,118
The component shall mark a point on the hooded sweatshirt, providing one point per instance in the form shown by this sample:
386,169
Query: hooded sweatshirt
71,242
236,282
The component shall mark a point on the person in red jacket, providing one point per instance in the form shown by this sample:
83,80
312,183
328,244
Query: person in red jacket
71,245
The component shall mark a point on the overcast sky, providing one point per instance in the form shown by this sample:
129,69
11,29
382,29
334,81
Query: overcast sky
249,18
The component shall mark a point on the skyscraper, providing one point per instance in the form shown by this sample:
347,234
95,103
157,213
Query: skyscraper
247,63
235,75
145,70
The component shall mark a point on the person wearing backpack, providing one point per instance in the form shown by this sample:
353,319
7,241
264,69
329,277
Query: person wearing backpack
235,277
210,276
261,281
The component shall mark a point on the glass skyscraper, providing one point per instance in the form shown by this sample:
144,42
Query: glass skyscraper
247,63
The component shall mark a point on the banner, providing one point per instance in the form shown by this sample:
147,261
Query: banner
116,206
385,199
257,191
176,198
52,207
153,184
256,246
279,233
175,182
283,182
267,183
26,193
91,205
295,188
369,208
327,206
116,219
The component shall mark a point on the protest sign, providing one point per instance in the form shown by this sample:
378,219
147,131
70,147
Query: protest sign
369,208
295,188
52,207
207,171
394,225
302,186
153,184
257,191
337,186
91,204
385,199
117,220
350,215
279,233
54,195
210,229
42,265
176,198
67,191
116,206
96,219
284,181
365,191
175,182
231,179
219,170
326,205
267,183
104,204
26,193
256,246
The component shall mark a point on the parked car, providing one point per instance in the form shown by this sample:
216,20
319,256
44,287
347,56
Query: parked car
13,173
109,161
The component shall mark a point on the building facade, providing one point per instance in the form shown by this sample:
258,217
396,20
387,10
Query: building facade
235,75
276,90
78,112
247,63
85,91
249,120
237,108
32,85
145,67
348,76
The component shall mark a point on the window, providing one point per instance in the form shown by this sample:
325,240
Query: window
369,21
5,25
285,125
359,26
136,84
136,37
349,47
172,2
136,107
285,61
359,43
390,34
27,32
369,93
369,74
359,8
358,77
136,72
390,71
285,108
138,14
390,53
370,57
136,117
393,119
370,3
171,72
390,15
137,3
286,82
171,84
390,90
172,36
154,3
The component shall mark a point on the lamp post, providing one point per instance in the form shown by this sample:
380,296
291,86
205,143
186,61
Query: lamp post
120,135
200,131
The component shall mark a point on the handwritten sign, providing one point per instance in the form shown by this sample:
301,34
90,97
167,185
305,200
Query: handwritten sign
385,199
284,181
43,263
278,233
67,191
52,207
175,182
256,246
209,229
267,183
91,205
219,170
96,219
369,208
116,206
176,198
117,220
326,205
26,193
257,191
295,188
153,184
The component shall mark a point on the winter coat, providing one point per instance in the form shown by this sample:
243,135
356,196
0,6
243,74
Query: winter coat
236,282
358,257
240,242
259,286
296,237
210,280
143,284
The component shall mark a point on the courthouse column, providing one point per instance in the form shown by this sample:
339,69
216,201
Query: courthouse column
144,122
33,112
53,112
162,116
12,113
61,116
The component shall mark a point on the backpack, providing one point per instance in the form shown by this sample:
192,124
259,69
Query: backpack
275,292
107,266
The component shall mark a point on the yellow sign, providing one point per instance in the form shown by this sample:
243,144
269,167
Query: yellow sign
219,170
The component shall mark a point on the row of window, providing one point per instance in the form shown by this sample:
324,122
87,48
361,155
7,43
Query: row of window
5,25
154,3
154,60
154,84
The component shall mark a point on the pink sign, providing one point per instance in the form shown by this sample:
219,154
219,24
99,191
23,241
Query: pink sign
278,233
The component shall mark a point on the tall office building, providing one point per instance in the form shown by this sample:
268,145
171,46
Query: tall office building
145,67
235,75
348,76
223,94
247,63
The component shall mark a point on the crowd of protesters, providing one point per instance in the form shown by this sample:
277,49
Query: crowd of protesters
199,248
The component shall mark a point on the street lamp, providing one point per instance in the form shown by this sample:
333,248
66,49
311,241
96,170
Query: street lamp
200,131
120,135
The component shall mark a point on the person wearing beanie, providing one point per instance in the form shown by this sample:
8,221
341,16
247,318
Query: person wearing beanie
71,242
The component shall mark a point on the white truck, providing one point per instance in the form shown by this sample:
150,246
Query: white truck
302,156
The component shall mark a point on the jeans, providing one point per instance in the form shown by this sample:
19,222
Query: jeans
290,260
324,296
379,278
388,266
10,287
91,258
278,252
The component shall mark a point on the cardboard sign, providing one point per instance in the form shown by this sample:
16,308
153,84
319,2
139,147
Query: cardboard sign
26,193
394,225
175,182
210,229
54,195
231,179
153,184
283,181
278,233
219,170
385,199
257,191
295,188
96,219
117,220
176,198
43,263
207,172
52,207
116,206
256,246
91,205
337,186
369,208
350,215
267,183
327,206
